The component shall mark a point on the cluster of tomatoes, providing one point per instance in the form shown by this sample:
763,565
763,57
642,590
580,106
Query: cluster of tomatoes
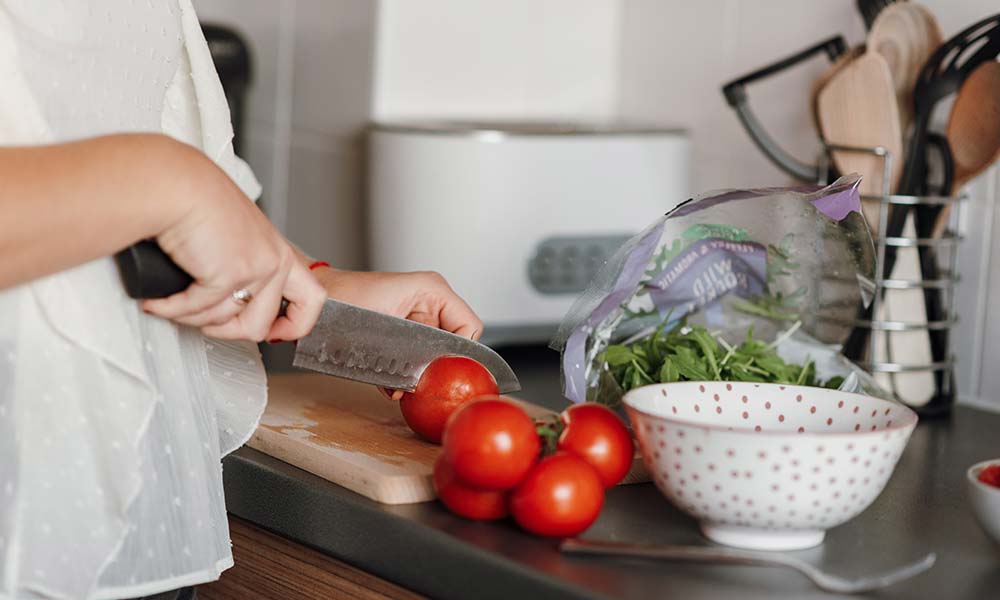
550,477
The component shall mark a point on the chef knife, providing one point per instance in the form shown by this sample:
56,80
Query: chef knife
347,341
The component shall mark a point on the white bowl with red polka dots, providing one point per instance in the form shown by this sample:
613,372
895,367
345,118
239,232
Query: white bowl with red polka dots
767,466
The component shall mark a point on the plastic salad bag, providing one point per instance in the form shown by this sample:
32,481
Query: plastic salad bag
719,286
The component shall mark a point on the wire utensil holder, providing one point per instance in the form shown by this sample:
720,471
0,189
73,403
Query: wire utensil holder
882,326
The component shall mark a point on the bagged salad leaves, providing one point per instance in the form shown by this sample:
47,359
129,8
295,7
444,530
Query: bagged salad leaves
737,285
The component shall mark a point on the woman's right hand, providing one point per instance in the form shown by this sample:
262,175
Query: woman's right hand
226,244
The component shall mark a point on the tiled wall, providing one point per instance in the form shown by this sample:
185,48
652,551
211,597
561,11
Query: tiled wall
309,102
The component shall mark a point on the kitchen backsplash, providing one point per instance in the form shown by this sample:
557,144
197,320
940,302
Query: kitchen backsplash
324,68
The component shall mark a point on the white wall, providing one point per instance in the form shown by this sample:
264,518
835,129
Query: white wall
512,59
677,55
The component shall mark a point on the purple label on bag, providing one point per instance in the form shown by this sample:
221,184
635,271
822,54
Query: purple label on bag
706,271
837,206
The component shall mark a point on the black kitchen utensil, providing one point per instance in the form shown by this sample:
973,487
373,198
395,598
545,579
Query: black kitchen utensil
941,77
943,74
945,168
147,271
736,95
934,282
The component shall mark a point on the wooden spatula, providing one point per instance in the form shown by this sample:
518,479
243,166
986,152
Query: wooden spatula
905,34
834,68
857,107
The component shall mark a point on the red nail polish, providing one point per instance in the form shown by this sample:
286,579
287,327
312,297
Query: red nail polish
274,341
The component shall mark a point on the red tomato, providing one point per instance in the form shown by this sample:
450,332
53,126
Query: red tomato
491,443
446,384
464,500
561,497
596,434
990,475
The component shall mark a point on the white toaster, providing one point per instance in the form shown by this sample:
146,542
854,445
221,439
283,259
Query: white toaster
517,217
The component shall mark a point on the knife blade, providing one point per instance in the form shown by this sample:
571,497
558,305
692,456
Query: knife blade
347,341
363,345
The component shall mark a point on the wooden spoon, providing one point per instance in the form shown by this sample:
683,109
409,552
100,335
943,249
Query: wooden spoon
974,123
905,34
973,130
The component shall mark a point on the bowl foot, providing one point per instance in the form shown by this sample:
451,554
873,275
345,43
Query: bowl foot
758,538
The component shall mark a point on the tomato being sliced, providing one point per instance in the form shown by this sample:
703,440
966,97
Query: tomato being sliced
561,497
596,434
446,384
464,500
491,443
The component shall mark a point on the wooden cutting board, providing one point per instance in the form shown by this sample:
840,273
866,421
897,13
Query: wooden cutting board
348,433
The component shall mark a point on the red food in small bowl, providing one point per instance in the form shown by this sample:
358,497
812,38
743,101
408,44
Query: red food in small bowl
990,475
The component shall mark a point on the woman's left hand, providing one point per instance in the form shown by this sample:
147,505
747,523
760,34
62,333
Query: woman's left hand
424,297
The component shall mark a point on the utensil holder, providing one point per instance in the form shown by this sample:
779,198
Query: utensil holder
882,330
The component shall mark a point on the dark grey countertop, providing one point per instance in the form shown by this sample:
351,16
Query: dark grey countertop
426,549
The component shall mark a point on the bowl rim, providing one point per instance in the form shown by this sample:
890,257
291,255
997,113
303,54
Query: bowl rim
909,421
972,475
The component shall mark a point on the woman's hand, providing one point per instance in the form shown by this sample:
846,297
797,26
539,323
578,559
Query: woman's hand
226,244
423,297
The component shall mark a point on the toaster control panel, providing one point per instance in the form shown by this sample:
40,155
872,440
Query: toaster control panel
566,265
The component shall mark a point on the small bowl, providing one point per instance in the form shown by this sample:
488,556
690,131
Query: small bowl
767,466
985,499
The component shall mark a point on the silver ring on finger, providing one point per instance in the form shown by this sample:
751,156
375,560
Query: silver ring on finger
242,296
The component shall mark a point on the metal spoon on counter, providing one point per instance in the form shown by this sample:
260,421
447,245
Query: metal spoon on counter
711,554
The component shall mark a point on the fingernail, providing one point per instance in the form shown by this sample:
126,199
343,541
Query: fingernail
274,341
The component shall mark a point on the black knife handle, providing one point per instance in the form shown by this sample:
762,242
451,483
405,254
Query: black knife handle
148,272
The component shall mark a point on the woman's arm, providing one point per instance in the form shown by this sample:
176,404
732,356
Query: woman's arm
66,204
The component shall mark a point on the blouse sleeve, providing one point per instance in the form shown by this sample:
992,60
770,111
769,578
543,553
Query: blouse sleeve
195,110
